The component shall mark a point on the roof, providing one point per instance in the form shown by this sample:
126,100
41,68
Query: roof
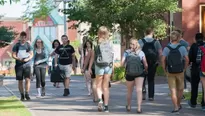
57,19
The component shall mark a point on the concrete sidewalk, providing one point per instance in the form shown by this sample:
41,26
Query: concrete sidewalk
5,92
78,103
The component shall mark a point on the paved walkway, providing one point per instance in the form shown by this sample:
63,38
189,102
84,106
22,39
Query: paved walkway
78,103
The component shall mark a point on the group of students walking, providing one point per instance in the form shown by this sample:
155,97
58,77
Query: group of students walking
140,62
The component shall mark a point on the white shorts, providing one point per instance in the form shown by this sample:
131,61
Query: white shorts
67,69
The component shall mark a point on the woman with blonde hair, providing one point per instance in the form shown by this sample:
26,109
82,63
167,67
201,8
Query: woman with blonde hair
135,64
40,63
103,66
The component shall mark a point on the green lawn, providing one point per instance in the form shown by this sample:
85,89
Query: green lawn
11,106
188,97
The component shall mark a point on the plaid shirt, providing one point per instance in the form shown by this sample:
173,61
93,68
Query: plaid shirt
199,55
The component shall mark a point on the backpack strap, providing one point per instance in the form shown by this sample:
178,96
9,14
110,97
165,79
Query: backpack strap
170,48
17,47
202,49
144,41
28,48
154,41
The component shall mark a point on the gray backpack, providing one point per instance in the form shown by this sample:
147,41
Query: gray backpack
103,54
134,66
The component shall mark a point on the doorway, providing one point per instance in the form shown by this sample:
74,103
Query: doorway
202,19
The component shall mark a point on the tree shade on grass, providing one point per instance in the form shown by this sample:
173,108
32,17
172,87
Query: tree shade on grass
188,97
11,106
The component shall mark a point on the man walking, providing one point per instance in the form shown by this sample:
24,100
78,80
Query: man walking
195,71
23,54
173,65
153,52
65,55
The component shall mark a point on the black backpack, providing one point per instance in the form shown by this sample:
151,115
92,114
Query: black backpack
27,47
175,62
150,52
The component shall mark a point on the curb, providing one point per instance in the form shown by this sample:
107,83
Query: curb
19,100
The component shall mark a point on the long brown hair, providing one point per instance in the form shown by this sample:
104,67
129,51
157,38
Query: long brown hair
35,45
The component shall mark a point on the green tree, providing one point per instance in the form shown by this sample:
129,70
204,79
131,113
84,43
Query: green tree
133,16
2,2
37,9
7,34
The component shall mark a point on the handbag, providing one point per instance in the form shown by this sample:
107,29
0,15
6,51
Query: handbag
57,75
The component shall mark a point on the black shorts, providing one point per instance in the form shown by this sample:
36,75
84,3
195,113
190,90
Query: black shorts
22,72
93,74
132,78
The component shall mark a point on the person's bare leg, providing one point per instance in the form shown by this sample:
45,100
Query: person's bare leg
139,83
67,82
106,90
58,85
27,84
174,98
99,80
95,96
20,86
130,87
179,96
88,82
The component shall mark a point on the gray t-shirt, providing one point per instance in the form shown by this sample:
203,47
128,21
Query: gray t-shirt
157,43
182,50
22,51
183,43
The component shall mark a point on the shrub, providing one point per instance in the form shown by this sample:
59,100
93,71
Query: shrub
160,71
119,74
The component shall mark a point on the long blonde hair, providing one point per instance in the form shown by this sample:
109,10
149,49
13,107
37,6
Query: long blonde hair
103,33
137,44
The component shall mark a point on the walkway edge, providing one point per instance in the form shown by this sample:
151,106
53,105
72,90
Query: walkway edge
17,97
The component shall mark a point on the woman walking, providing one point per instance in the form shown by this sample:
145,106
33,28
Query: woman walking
135,64
104,56
40,64
55,45
88,68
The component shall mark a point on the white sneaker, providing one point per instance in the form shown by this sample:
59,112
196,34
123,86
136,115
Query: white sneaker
100,106
38,96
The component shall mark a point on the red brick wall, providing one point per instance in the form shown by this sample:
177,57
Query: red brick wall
190,19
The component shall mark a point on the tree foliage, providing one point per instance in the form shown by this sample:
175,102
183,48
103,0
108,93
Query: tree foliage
38,9
2,2
133,16
6,36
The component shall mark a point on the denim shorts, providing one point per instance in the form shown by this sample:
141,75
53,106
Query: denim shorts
103,70
202,75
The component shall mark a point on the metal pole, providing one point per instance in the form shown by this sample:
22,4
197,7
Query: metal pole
65,22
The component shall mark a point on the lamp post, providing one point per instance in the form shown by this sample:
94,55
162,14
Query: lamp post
57,2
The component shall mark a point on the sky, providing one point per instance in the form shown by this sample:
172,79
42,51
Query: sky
16,9
13,10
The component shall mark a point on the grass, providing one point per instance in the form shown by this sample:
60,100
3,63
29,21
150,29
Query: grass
188,97
10,106
160,71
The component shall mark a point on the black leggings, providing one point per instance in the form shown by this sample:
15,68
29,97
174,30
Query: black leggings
40,76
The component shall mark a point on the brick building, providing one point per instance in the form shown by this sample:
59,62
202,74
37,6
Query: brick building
191,20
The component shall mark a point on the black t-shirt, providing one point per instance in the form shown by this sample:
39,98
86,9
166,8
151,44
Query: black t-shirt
65,54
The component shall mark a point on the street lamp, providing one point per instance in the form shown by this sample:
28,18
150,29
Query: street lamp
57,2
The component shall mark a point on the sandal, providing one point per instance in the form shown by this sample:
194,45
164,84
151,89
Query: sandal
139,111
128,108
